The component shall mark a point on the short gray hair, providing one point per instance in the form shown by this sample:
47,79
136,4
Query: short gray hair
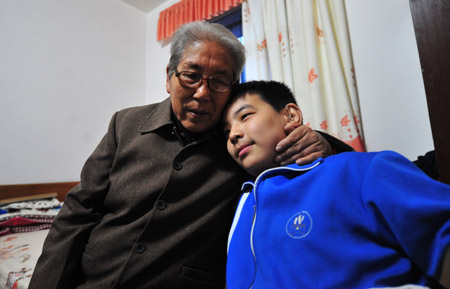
199,31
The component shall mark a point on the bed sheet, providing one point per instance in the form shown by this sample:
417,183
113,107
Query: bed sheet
23,228
18,256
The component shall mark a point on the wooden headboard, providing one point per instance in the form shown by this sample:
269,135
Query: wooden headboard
25,190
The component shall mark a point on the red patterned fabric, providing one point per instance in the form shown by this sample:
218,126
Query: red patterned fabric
22,224
187,11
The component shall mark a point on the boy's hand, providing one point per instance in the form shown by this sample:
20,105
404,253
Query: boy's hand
302,145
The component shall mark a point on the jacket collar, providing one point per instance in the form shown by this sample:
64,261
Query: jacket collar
160,117
249,185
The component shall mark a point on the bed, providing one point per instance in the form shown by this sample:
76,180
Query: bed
26,214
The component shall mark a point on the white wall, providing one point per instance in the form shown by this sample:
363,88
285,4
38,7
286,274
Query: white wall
66,66
157,58
388,73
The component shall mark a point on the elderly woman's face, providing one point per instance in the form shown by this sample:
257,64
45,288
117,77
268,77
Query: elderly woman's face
199,109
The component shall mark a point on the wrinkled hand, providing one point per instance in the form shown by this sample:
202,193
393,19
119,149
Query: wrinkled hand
302,145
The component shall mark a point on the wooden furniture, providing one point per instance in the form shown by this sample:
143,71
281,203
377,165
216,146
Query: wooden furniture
24,190
432,27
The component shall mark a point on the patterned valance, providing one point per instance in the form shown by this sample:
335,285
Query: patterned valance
187,11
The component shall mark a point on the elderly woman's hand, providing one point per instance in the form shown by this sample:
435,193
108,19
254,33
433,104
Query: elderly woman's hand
302,145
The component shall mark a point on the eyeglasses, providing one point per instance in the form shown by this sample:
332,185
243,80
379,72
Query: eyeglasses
190,79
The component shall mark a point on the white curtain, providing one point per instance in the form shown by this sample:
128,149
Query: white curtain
305,44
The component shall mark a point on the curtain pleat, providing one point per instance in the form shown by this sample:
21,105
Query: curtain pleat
187,11
306,45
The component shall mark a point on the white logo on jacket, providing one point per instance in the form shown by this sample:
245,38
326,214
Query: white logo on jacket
299,225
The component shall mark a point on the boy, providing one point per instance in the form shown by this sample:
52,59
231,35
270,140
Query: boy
353,220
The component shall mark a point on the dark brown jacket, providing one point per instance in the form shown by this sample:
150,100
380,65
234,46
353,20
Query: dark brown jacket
148,212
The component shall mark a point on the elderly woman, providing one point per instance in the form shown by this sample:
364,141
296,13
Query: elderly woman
157,196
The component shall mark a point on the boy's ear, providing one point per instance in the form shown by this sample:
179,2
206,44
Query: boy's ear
293,113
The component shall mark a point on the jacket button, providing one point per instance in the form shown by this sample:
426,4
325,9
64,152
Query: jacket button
177,166
161,205
140,248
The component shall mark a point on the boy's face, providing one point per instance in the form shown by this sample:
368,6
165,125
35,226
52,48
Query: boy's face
252,129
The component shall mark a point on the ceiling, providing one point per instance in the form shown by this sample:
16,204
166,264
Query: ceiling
145,5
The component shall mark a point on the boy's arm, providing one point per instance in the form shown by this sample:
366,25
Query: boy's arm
410,212
303,145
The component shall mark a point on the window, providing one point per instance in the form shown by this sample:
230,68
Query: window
232,19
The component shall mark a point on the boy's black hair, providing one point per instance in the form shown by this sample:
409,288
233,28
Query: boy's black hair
275,93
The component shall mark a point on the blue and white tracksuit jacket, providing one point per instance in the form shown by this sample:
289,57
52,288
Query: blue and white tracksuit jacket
352,220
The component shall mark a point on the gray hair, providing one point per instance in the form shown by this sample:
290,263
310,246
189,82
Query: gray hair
199,31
